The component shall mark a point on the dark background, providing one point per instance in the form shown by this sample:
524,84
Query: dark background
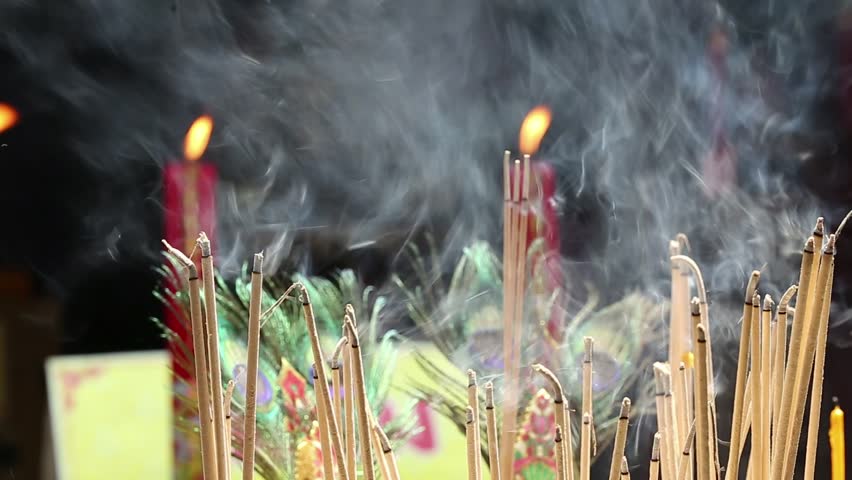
78,283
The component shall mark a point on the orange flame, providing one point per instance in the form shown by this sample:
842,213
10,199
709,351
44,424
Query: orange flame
197,138
8,117
533,129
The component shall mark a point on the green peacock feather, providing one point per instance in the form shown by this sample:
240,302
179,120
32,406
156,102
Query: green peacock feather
462,317
285,394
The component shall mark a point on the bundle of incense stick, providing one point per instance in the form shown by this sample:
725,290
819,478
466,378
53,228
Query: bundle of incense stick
769,401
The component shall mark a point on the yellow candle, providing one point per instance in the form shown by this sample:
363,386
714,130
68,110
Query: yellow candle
837,440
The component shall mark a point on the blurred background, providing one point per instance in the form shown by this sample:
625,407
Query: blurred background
344,130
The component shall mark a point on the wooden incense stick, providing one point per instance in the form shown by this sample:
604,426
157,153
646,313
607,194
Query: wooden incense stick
685,466
558,406
667,448
586,433
757,431
381,459
322,386
387,452
816,385
227,397
681,406
766,381
586,447
472,447
491,431
202,370
568,440
253,356
654,467
208,278
473,403
337,380
360,395
702,411
349,407
733,469
669,410
625,469
780,359
620,438
678,321
806,358
796,336
559,453
325,440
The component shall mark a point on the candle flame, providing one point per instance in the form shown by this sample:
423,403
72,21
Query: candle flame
197,138
533,129
8,117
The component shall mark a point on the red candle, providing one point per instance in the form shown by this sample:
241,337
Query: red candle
544,233
189,193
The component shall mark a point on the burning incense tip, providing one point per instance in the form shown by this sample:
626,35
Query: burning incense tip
558,437
768,303
204,245
681,367
489,396
338,349
624,469
752,286
383,438
189,264
257,265
471,378
809,245
551,378
830,245
819,228
695,306
589,345
587,419
702,334
786,298
655,449
625,409
351,331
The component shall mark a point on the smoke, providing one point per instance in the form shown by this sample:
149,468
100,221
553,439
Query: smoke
369,121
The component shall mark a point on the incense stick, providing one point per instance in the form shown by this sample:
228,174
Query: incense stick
208,273
806,360
625,471
381,460
654,467
668,445
585,447
702,425
387,451
780,357
733,469
620,438
491,430
816,386
782,434
765,382
349,409
586,433
227,397
472,447
202,372
558,407
319,360
568,441
559,452
325,440
360,401
682,412
473,403
337,380
757,428
249,421
685,467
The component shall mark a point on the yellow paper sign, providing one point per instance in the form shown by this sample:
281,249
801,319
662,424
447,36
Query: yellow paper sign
111,416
